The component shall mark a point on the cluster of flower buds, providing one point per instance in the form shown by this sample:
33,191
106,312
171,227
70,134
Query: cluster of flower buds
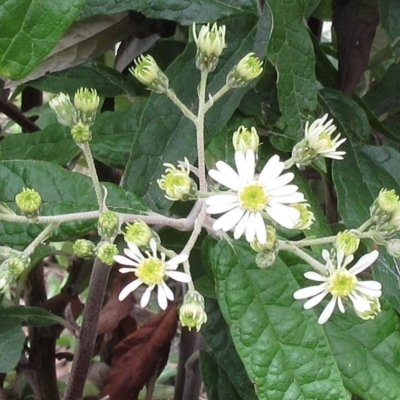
247,69
29,202
79,115
245,139
192,313
347,242
140,234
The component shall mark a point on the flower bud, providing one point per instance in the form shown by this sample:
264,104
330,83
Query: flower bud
210,43
271,243
387,201
192,313
81,133
108,225
86,104
140,234
346,241
244,139
63,108
265,259
106,251
177,184
84,248
306,216
17,264
395,220
248,68
375,308
149,73
29,202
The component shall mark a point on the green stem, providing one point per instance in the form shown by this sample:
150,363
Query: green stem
49,219
365,225
174,98
93,174
290,247
289,163
40,238
200,131
216,97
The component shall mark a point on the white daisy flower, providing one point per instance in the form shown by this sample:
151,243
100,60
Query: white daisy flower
343,285
318,141
152,271
251,196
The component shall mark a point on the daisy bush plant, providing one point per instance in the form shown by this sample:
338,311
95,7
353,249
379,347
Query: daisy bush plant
209,193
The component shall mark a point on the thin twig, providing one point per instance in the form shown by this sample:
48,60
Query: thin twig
16,115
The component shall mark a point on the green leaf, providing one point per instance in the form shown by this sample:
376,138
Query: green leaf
216,333
30,29
14,316
165,135
390,17
62,192
107,81
53,144
11,345
368,353
215,379
291,51
183,11
280,344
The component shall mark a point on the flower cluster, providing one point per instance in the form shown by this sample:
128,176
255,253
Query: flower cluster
344,287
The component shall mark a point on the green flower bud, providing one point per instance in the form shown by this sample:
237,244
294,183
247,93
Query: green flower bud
108,225
192,313
29,202
84,248
387,201
306,216
63,108
149,73
248,68
86,104
106,251
271,243
375,308
210,43
265,259
17,264
244,139
347,241
140,234
81,133
177,184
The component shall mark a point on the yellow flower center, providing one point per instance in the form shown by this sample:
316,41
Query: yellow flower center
341,283
151,271
253,197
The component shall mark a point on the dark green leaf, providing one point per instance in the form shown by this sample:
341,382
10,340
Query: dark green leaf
62,192
183,11
11,345
291,51
164,134
390,17
107,81
14,316
215,379
216,333
30,29
284,350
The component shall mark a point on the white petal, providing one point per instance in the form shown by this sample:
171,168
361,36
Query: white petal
271,170
227,221
326,255
283,215
368,291
161,297
315,300
360,304
372,285
280,181
179,276
226,176
245,165
146,296
225,198
328,310
282,191
153,246
135,250
297,197
125,261
307,292
314,276
175,261
364,262
340,305
168,292
126,270
251,228
261,232
241,226
129,288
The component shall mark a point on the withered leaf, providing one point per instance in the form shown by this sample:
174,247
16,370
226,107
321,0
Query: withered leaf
140,356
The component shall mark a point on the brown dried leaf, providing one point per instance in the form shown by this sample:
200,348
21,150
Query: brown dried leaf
115,310
83,41
140,356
